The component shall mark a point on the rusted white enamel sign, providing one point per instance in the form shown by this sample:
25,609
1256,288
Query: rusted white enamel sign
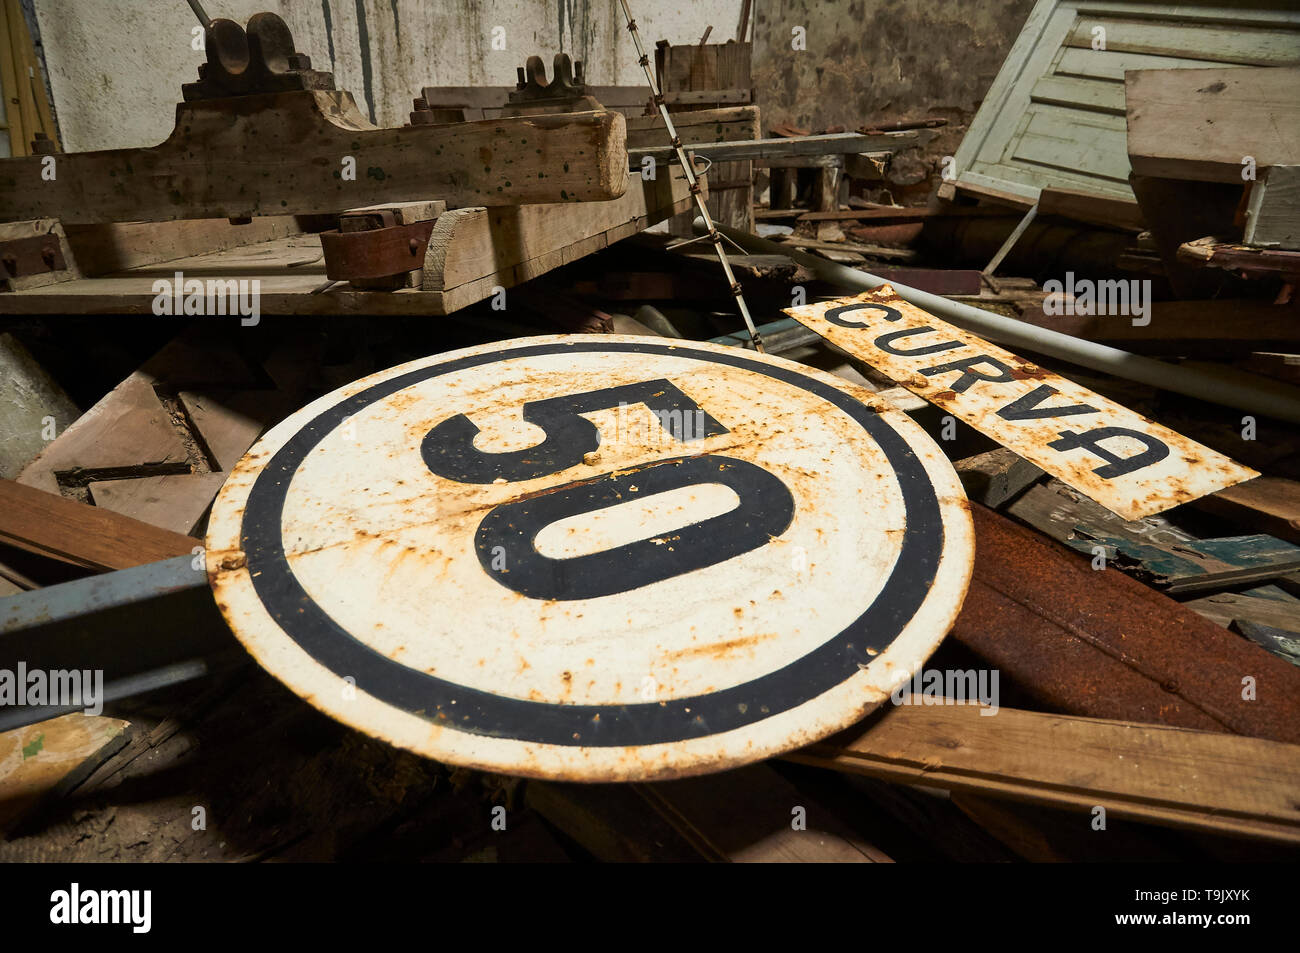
593,557
1130,465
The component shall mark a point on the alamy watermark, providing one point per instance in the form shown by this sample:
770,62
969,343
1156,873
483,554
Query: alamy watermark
933,686
55,688
217,296
1131,298
79,906
660,426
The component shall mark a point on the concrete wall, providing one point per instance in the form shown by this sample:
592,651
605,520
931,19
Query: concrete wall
116,66
882,60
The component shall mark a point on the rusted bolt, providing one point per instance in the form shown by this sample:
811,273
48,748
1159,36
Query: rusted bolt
415,245
47,256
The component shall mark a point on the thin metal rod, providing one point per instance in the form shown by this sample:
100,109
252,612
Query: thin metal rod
200,13
1010,243
1226,386
689,169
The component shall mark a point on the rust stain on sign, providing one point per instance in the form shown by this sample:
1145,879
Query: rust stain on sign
1131,465
593,557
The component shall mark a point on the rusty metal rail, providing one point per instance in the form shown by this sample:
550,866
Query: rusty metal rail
1101,644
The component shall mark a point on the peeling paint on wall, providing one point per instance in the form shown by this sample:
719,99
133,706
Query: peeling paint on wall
881,61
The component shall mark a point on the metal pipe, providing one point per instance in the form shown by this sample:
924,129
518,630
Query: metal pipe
1226,386
199,12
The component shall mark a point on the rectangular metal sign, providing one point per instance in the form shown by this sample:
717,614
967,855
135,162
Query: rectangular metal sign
1130,465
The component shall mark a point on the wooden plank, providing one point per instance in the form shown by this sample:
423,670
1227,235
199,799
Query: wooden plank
995,476
472,251
694,78
105,249
50,757
1160,554
1093,143
1197,780
1091,207
1277,609
707,66
86,536
488,102
1267,504
1112,65
1273,212
728,124
283,154
160,445
1249,260
1077,92
1182,327
837,144
1225,43
1200,125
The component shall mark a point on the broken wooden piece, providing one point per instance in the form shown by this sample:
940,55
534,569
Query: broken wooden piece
1250,261
1268,504
86,536
1273,211
51,757
159,446
996,476
1152,549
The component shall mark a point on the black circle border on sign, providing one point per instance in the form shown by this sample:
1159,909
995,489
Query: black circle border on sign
475,711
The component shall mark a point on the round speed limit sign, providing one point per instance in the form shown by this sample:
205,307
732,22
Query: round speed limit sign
593,557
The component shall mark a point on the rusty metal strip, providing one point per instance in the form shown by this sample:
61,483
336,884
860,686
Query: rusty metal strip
1101,644
375,253
38,255
1130,465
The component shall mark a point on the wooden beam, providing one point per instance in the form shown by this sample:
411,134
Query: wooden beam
1200,124
1201,780
287,154
1265,504
471,252
104,249
1091,208
1273,212
86,536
